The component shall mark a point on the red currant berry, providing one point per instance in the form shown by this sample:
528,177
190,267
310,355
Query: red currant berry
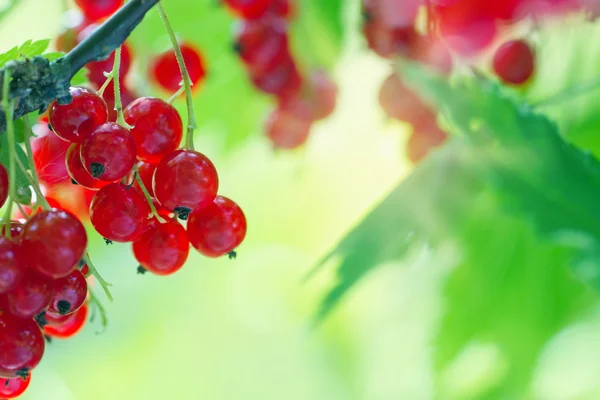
48,156
98,9
289,125
282,8
85,270
75,121
165,70
249,9
514,62
401,103
13,388
156,128
77,172
424,139
12,268
53,242
387,41
467,33
324,94
21,346
119,213
3,185
184,181
283,80
146,173
163,248
262,44
217,229
30,297
16,228
70,293
108,153
63,327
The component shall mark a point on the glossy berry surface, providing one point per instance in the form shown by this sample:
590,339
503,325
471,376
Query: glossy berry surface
75,121
30,297
514,62
217,229
16,228
108,153
262,44
119,213
289,125
283,80
21,345
184,181
3,185
77,172
146,173
53,242
249,9
156,128
163,248
14,387
165,70
12,267
49,153
98,9
70,293
63,327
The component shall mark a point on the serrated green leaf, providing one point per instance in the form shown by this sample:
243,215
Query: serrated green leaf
31,48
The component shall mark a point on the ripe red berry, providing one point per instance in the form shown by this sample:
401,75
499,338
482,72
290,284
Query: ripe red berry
388,41
53,242
108,153
85,269
11,264
13,388
217,229
514,62
98,9
163,248
67,326
402,103
249,9
70,293
466,33
282,8
165,70
77,172
324,94
262,44
119,213
16,228
21,346
289,125
48,156
146,172
283,80
3,185
96,69
75,121
184,181
30,297
156,128
425,138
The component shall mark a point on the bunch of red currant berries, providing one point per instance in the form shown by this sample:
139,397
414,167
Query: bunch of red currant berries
262,44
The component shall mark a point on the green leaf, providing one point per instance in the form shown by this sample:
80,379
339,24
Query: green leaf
31,48
23,189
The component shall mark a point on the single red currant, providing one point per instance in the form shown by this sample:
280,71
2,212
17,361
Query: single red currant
249,9
30,297
16,228
184,181
75,121
85,269
21,346
165,69
262,44
63,327
146,173
98,9
163,248
3,185
12,267
119,213
77,172
53,242
48,156
401,103
514,62
425,138
13,388
324,94
283,80
108,153
217,229
156,128
289,125
70,293
467,33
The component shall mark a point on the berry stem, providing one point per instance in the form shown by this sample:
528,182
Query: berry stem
98,306
99,277
187,83
115,77
35,182
8,107
176,95
147,195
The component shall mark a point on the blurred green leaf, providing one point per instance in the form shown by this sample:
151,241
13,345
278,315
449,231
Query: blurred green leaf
24,195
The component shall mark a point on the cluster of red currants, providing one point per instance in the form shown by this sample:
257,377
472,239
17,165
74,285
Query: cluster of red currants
262,44
43,289
175,182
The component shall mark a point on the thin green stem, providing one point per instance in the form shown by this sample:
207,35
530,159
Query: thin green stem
176,95
147,195
7,217
99,277
8,107
187,83
109,78
41,199
115,77
569,93
95,302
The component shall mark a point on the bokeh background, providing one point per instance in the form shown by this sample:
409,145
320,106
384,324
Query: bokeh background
244,329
